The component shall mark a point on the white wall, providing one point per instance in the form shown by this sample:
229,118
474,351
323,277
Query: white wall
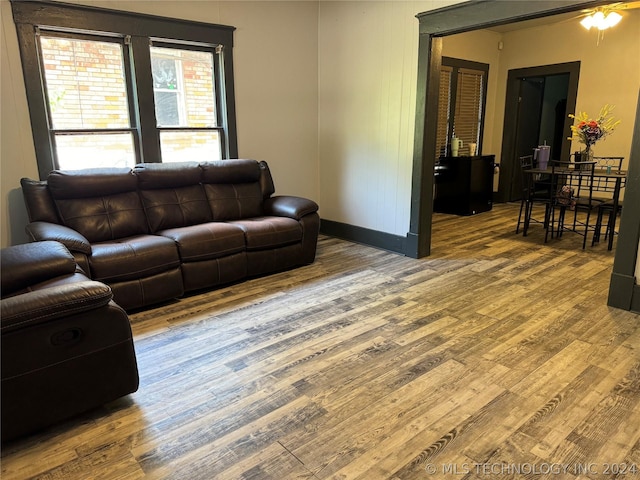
368,56
367,84
276,85
17,155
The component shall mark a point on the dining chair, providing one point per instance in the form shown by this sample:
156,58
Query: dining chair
556,199
535,190
604,187
572,189
606,209
614,162
526,163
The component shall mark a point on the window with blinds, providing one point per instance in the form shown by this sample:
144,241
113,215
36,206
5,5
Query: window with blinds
112,89
461,104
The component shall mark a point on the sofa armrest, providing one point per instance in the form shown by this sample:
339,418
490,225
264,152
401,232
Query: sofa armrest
74,241
48,304
32,263
289,206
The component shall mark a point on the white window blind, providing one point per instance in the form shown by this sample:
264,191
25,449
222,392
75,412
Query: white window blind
468,113
444,107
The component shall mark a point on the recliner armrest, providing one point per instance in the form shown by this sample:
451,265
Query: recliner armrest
74,241
48,304
289,206
31,263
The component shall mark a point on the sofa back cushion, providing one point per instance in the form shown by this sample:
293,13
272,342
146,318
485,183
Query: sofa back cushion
172,194
233,188
102,204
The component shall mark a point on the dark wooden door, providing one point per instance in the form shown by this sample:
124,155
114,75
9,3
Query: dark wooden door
521,131
530,96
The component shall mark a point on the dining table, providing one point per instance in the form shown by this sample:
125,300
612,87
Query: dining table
604,180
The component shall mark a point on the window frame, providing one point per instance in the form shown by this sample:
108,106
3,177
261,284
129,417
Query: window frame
219,105
140,31
456,64
53,132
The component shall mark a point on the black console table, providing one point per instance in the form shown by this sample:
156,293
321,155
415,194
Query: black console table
464,185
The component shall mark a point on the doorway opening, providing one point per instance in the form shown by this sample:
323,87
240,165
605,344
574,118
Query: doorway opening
480,14
538,102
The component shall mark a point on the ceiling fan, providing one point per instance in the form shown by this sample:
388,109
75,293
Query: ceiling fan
605,16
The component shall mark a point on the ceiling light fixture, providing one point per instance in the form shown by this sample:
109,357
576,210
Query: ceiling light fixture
600,20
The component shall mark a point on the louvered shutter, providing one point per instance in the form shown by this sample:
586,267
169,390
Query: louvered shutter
468,110
444,109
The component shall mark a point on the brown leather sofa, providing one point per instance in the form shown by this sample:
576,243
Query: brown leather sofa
160,230
66,346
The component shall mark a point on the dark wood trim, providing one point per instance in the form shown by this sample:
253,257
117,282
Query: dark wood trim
459,18
508,154
456,64
623,292
97,19
462,63
479,14
373,238
635,300
35,99
227,88
424,146
143,87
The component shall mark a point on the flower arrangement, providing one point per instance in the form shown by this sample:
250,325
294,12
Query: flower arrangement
588,131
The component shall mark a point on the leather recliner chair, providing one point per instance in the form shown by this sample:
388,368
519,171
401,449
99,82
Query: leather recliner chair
66,346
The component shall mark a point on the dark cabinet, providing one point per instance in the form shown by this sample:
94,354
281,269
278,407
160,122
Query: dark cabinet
464,185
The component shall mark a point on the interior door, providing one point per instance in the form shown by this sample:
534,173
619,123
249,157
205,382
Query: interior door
530,98
525,110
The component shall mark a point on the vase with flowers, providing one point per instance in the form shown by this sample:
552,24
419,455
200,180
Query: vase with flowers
588,130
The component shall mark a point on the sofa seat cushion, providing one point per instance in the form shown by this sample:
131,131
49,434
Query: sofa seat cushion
206,240
269,232
133,258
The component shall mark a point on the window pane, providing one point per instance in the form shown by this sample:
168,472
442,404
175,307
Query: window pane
76,152
188,75
85,83
167,111
190,146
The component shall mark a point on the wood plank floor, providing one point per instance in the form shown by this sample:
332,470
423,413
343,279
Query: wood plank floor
495,357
